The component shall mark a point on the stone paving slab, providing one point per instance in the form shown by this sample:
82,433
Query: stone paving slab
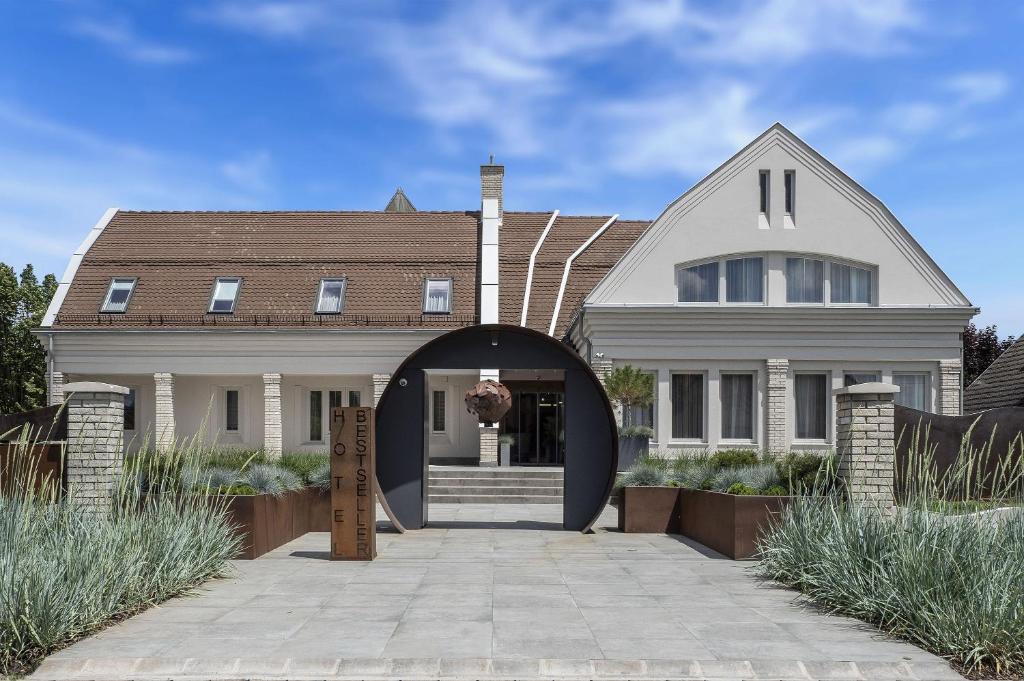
489,592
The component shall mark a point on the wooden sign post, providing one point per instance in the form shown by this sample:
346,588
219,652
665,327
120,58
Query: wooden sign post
353,476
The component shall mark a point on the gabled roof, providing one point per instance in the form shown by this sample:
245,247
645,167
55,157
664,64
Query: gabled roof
779,134
1001,384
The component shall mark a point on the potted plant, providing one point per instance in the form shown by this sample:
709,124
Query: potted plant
505,442
630,387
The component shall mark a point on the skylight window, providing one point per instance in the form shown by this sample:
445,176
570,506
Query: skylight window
118,295
330,298
225,294
437,296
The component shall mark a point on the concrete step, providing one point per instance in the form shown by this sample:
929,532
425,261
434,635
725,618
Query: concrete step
495,472
490,490
492,499
497,482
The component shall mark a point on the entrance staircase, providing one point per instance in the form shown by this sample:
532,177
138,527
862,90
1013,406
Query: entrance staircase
495,485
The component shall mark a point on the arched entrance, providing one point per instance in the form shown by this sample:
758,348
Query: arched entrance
591,442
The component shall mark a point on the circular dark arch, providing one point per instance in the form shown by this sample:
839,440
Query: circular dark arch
591,441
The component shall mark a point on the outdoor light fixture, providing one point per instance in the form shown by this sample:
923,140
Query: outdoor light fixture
494,339
403,382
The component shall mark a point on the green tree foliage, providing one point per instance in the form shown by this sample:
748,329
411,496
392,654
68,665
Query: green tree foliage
629,387
23,302
981,348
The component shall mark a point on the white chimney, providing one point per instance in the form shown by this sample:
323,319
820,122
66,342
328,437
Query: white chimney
491,179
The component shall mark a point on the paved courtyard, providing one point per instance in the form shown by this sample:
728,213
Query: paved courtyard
493,592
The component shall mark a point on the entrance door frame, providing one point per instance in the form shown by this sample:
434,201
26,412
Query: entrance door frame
591,434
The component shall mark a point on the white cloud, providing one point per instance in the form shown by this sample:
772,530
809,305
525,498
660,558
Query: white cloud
122,38
979,87
913,117
274,19
251,172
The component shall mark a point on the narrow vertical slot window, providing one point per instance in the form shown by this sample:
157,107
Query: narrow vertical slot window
763,180
231,411
129,410
316,423
437,412
789,181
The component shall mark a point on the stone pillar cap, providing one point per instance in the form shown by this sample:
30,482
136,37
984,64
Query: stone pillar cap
94,387
868,389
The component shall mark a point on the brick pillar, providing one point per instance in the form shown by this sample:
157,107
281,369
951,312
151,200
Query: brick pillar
380,382
164,421
488,445
775,423
602,366
865,441
273,440
56,394
950,377
94,453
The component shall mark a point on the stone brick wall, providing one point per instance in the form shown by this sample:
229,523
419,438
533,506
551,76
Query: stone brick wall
865,441
491,180
775,424
56,394
949,392
94,452
164,417
602,367
380,382
273,438
488,445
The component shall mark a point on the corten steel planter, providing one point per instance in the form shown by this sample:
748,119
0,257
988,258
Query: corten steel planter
266,522
649,509
46,459
727,523
632,449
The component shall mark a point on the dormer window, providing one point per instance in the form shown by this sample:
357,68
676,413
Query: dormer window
225,295
330,298
118,295
437,296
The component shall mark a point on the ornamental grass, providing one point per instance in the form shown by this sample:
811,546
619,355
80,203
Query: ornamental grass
950,582
65,573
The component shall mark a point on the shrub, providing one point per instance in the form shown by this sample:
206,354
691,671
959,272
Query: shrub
321,477
636,431
266,478
303,464
775,491
65,573
214,477
802,472
237,490
238,459
655,459
641,475
732,458
741,489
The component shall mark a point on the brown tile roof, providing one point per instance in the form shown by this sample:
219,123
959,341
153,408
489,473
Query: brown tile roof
1001,384
281,257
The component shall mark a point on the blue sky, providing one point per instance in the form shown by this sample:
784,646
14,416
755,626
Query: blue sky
594,107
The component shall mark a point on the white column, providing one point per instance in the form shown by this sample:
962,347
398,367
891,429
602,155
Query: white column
164,421
775,429
272,431
380,382
664,406
56,394
950,377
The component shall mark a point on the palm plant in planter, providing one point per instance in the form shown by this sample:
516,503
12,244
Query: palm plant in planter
630,388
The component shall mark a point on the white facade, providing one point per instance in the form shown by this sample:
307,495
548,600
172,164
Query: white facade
744,355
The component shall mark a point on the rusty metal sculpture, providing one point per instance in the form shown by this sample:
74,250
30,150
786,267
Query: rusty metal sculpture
488,401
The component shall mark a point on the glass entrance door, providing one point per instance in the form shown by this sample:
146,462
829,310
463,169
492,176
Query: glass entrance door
536,424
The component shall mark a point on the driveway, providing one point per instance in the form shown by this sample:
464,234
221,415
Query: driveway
493,592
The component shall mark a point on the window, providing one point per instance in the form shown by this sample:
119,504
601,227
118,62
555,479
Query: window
805,280
129,410
737,406
334,400
118,295
744,280
316,417
698,284
437,296
849,284
763,187
688,406
789,180
437,420
225,293
811,392
354,398
330,298
337,396
855,378
231,411
914,389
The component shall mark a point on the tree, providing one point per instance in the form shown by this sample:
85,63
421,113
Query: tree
629,387
23,302
981,348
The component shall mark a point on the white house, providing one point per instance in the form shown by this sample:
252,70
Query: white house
772,281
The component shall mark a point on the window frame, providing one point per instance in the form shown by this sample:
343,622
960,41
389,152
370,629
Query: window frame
824,278
133,393
238,409
722,289
213,293
444,411
764,193
789,193
320,294
704,407
307,437
451,294
829,420
927,387
754,407
872,282
110,290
